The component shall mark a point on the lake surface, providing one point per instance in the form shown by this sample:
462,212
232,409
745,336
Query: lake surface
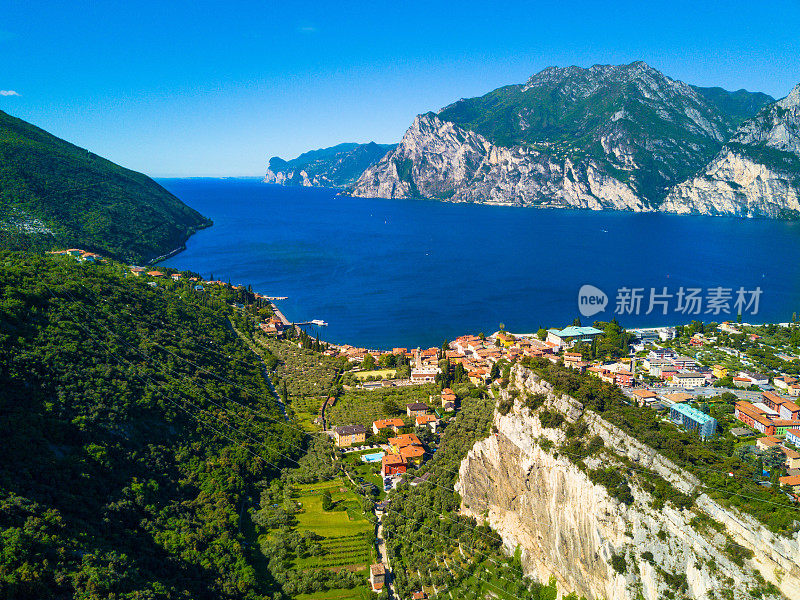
410,273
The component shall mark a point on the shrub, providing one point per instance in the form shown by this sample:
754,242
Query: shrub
619,564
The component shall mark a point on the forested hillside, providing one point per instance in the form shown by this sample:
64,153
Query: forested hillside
49,186
120,475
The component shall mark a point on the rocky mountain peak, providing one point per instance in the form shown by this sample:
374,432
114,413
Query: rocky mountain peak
792,100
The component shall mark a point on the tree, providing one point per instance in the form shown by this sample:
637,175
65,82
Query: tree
542,333
369,362
327,501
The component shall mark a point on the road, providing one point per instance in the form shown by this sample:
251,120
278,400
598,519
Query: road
380,546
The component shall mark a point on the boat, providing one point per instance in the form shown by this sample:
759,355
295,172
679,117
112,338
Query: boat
319,323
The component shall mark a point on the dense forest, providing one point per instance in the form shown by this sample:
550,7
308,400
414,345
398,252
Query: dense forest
49,187
135,429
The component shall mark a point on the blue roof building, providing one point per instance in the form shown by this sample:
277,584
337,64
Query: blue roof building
569,336
694,420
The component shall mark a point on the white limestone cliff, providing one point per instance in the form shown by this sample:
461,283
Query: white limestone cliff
567,527
438,159
756,174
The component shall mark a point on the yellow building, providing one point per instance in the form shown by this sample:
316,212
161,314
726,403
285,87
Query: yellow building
719,371
349,435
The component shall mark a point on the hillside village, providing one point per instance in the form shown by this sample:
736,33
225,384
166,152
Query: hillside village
735,381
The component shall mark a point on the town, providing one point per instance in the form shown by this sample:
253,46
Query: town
386,411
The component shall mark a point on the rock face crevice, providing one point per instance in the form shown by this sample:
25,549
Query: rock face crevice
569,528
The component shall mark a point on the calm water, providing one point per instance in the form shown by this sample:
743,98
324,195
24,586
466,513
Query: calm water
388,273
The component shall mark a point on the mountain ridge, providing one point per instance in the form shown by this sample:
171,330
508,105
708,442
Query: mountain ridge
755,174
335,166
51,188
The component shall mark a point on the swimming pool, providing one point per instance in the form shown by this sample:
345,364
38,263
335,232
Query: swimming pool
374,457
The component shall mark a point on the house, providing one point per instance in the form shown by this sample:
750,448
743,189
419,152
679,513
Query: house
155,274
742,382
417,408
424,374
692,419
402,440
176,276
789,411
412,454
569,336
448,396
393,424
783,382
794,390
506,338
719,371
377,576
349,435
624,378
793,436
138,271
678,397
792,458
753,417
392,464
643,397
793,481
767,442
683,362
421,595
782,426
755,378
427,420
689,379
773,400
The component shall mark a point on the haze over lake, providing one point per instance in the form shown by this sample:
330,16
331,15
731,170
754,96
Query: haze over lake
387,273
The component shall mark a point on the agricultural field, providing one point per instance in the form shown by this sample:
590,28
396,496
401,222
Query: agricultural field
364,407
379,374
358,593
303,376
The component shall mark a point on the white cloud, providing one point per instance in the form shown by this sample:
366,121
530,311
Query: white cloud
307,29
8,93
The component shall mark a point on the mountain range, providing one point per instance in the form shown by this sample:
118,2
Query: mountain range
53,193
606,137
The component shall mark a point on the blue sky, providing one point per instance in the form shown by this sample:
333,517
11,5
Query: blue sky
177,88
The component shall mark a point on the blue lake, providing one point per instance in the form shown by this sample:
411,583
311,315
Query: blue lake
410,273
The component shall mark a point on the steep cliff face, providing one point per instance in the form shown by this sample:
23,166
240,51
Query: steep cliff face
438,159
604,137
572,529
756,174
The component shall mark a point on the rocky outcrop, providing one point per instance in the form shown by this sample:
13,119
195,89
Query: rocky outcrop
337,166
567,527
606,137
438,159
756,174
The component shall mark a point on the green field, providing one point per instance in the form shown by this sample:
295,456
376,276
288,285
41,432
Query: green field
359,593
335,523
385,373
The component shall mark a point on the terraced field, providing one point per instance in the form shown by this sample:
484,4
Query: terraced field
347,535
347,551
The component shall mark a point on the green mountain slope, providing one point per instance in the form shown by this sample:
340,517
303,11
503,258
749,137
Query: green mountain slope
50,185
739,105
337,166
113,483
642,127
